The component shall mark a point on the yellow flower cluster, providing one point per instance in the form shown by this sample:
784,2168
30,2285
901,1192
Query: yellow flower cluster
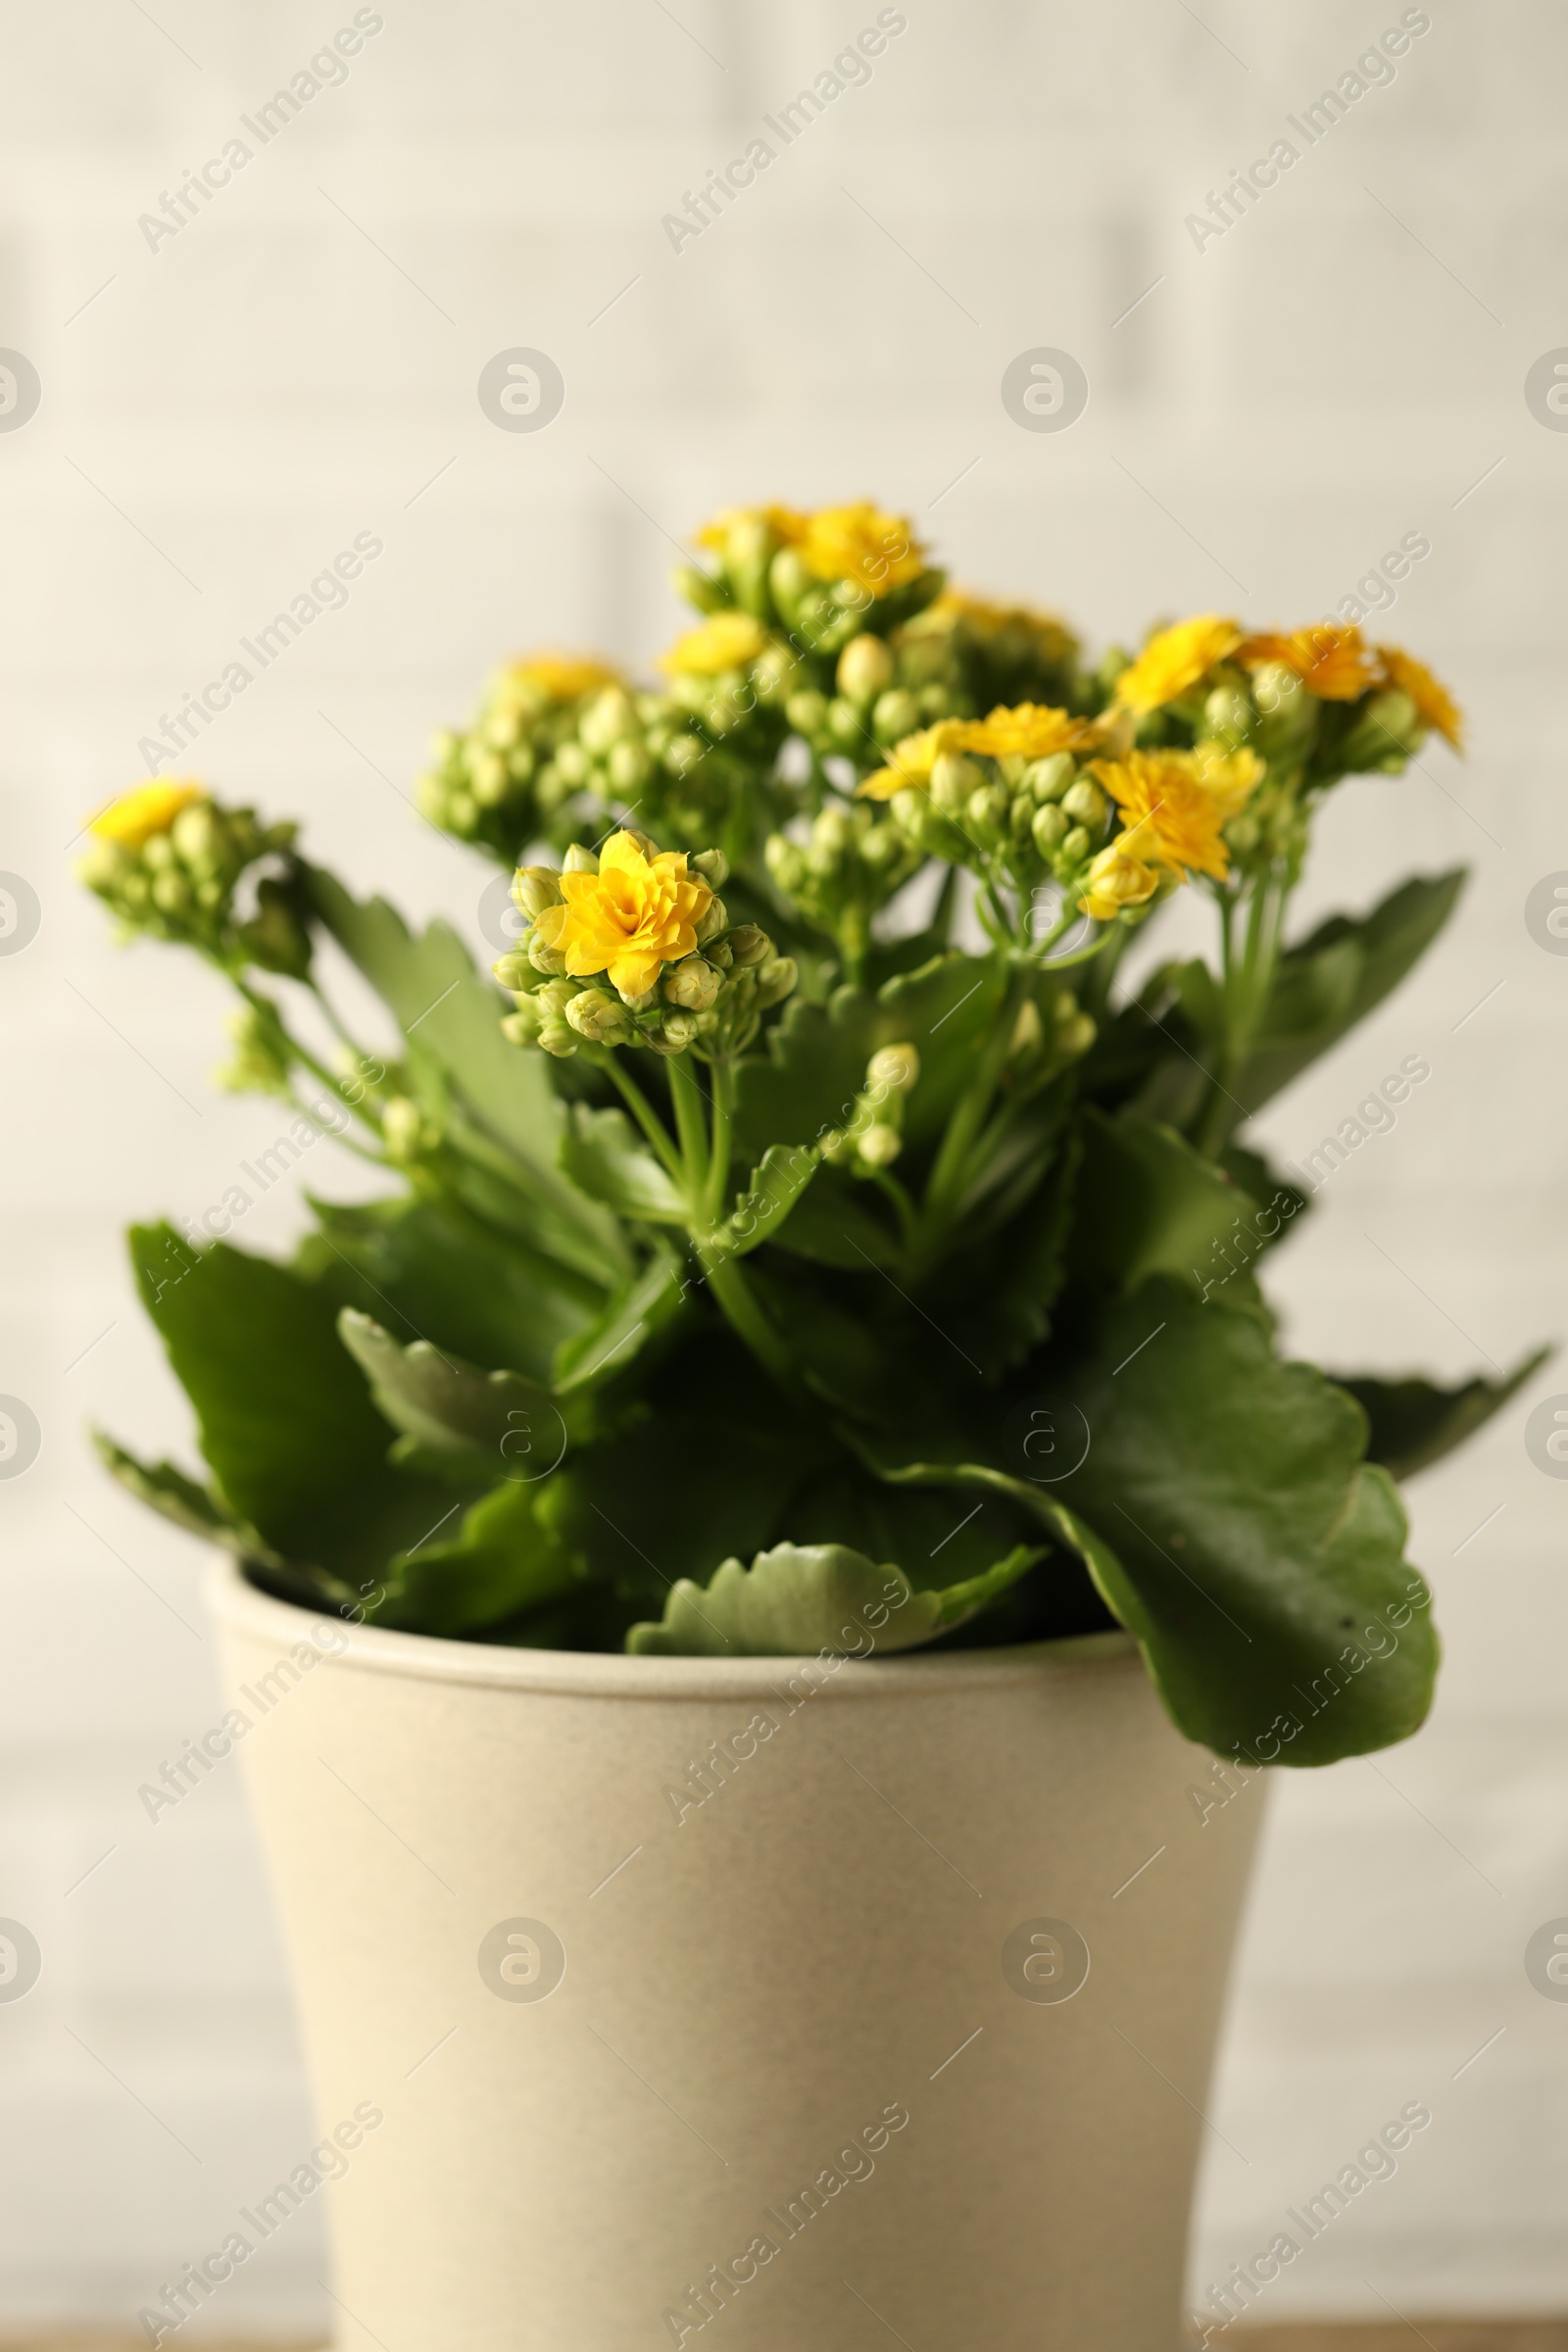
725,641
558,677
637,914
1029,731
857,542
1050,639
1174,805
147,808
1332,659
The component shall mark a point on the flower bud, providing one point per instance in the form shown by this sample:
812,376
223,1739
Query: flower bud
197,835
785,860
691,983
806,712
1021,816
599,1018
679,1028
987,812
546,959
895,715
775,980
710,866
522,1028
682,754
1049,779
864,669
607,719
533,889
879,1147
1076,848
894,1068
402,1128
750,943
578,860
775,673
1086,802
953,777
629,765
1228,712
711,922
514,971
554,995
171,893
1075,1037
557,1038
844,724
1050,828
789,579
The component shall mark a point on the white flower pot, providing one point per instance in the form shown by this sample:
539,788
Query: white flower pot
783,2068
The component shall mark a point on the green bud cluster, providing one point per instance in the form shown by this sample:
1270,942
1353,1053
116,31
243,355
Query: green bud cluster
1025,820
873,1137
849,866
262,1056
179,885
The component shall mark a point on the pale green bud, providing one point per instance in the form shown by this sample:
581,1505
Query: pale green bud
775,673
491,782
1076,1036
607,719
1049,779
864,670
1076,848
1086,802
630,765
692,982
806,711
682,753
1228,713
1021,818
895,715
402,1128
158,854
198,836
894,1068
546,959
555,995
953,778
785,860
709,925
775,980
501,730
844,724
580,860
173,894
679,1028
522,1028
908,809
1276,689
987,812
710,866
599,1018
556,1038
879,1147
533,889
750,943
572,763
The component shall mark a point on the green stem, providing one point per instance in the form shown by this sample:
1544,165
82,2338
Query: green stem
303,1054
608,1059
951,1170
690,1126
723,1117
744,1314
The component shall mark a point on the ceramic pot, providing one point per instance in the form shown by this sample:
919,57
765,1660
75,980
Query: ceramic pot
777,2003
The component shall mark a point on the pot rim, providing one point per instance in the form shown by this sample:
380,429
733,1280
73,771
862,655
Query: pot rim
234,1602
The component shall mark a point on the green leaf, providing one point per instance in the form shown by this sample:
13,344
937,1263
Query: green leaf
491,1421
285,1420
452,1016
818,1054
1336,977
1148,1204
196,1508
601,1152
515,1550
803,1599
835,1222
768,1200
639,1312
431,1270
1261,1557
1226,1515
1415,1423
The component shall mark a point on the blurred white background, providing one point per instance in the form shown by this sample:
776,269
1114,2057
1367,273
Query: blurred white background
221,414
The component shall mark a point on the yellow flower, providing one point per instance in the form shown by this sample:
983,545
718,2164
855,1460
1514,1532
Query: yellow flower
1116,879
1330,658
558,677
785,521
146,809
628,920
1166,813
1028,731
859,543
1173,662
1230,778
1430,695
725,641
911,763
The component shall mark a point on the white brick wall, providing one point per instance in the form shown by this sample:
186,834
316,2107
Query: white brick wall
1276,412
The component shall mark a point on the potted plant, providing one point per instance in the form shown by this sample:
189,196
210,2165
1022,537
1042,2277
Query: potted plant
764,1563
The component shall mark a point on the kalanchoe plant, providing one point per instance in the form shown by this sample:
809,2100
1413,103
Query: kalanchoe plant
809,1245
